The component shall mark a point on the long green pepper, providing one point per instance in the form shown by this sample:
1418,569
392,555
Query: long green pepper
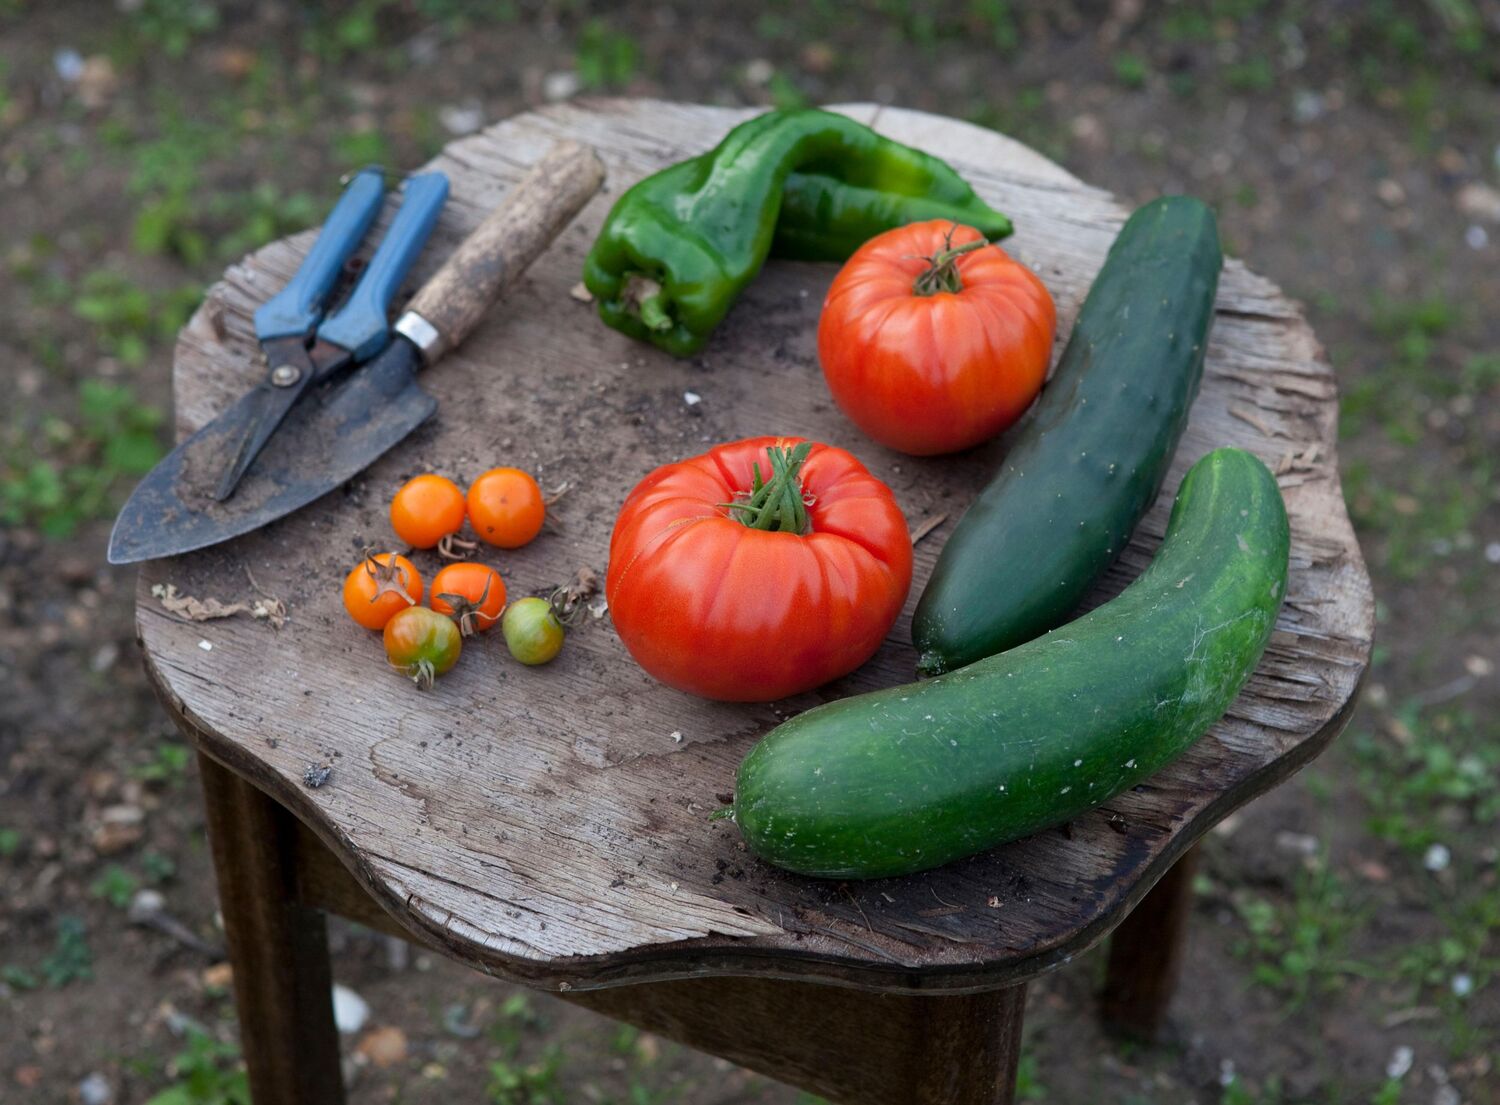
679,247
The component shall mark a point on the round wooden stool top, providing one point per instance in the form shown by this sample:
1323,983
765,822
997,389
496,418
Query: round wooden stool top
551,825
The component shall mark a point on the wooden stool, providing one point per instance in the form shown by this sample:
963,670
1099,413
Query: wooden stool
550,826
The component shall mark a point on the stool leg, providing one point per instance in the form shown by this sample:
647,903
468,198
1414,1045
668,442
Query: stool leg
279,949
851,1046
1145,954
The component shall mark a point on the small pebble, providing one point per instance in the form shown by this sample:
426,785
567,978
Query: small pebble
316,775
676,736
1302,844
95,1090
1492,552
463,118
560,85
144,905
458,1022
383,1047
691,398
205,646
1462,985
1400,1062
1476,237
759,71
68,63
350,1011
1437,857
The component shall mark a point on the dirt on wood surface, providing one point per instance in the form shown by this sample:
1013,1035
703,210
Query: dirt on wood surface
1344,944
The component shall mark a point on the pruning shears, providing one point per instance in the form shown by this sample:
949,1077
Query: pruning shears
340,391
301,346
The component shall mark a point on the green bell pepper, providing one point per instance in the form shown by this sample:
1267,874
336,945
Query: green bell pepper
679,246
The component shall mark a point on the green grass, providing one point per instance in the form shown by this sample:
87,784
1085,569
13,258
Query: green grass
1238,1092
67,471
535,1083
115,885
205,1072
70,960
1297,948
1429,774
516,1020
167,26
1131,70
126,319
1029,1086
168,764
605,58
18,978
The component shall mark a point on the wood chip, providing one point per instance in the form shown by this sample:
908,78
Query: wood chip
926,526
1244,414
581,293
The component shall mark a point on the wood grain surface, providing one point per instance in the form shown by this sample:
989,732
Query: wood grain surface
551,825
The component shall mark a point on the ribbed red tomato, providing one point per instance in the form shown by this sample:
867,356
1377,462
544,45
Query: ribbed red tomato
932,341
749,589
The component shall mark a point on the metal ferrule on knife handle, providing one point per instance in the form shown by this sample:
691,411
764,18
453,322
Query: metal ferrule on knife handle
541,203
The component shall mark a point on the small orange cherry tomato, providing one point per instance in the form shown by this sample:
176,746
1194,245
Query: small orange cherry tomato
380,587
506,507
471,594
427,509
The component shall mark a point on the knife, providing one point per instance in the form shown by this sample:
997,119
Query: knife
332,435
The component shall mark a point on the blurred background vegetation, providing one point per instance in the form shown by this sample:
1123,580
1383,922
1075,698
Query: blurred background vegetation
1346,944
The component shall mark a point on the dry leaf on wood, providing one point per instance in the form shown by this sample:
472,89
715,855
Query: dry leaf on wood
266,609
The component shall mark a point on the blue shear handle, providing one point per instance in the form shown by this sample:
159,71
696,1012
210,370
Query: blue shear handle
360,325
298,306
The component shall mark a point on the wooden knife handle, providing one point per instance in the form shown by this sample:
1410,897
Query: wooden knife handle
490,259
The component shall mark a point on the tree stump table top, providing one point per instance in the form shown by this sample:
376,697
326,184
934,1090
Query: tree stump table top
551,825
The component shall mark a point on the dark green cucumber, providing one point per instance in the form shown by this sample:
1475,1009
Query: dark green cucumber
916,776
1092,459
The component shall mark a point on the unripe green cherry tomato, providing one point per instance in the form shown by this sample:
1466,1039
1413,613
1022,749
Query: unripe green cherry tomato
532,631
422,643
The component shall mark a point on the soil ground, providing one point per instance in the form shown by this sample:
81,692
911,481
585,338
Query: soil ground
1346,944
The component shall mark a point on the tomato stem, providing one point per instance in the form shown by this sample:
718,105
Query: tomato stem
941,274
777,504
468,614
389,577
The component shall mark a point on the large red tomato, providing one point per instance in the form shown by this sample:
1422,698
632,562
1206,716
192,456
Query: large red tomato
794,584
933,341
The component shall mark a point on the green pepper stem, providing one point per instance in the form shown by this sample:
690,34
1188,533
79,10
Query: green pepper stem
777,504
644,295
942,268
653,314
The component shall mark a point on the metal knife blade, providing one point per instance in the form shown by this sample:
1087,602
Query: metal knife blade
328,438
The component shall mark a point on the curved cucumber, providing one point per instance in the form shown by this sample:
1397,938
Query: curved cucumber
916,776
1091,460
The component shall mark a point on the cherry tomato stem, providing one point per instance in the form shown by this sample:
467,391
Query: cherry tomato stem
379,587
